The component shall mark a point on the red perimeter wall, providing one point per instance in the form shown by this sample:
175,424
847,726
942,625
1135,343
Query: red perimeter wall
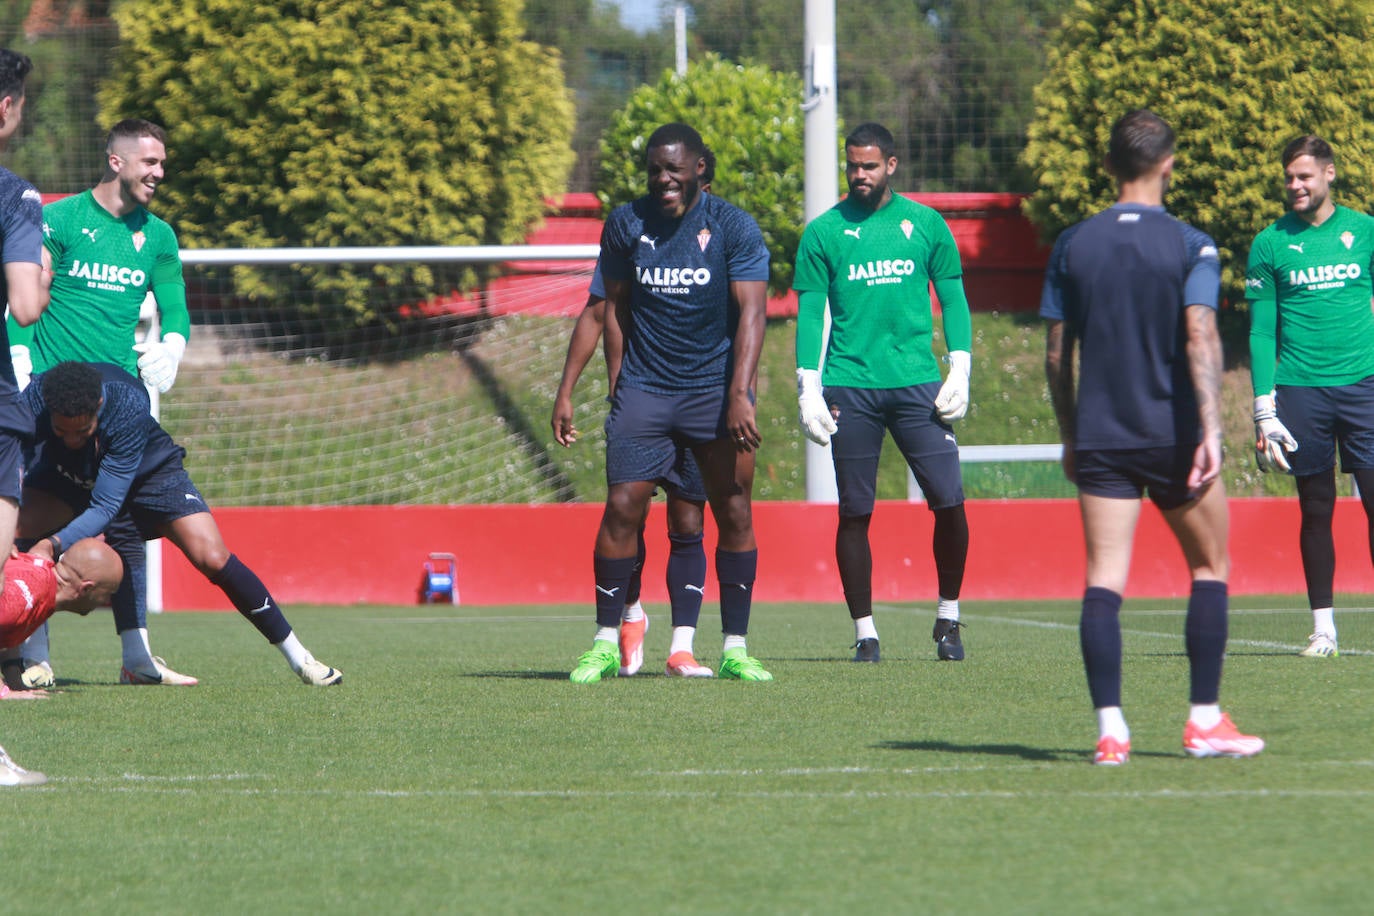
1003,260
542,554
533,554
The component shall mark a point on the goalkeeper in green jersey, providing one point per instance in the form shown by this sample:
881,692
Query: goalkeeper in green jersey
1308,282
107,253
874,256
103,254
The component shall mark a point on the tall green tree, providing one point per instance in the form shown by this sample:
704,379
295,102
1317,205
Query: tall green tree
346,122
59,145
603,62
1237,79
950,78
751,118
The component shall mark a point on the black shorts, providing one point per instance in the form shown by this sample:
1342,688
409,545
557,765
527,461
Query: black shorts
926,441
1324,420
11,466
162,497
1128,473
649,437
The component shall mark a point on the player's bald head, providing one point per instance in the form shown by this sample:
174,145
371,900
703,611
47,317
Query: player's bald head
92,560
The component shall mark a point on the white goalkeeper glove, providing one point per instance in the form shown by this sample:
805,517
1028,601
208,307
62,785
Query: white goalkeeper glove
23,365
1272,438
952,401
812,411
158,361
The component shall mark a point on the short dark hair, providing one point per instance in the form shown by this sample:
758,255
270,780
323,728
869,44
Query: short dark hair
133,129
14,69
710,172
72,389
871,133
1308,145
675,133
1140,141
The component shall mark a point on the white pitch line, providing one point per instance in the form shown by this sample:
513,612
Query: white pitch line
1154,634
598,795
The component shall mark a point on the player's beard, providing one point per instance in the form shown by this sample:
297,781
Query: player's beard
138,192
687,195
1314,202
871,195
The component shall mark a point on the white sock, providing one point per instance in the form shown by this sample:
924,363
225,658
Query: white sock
137,655
733,642
1111,723
35,648
609,634
1324,621
683,637
948,609
1205,716
293,650
632,612
864,628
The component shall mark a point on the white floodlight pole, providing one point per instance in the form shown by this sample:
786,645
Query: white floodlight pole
680,37
822,167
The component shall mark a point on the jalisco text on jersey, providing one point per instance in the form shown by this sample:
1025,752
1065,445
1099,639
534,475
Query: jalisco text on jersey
1324,273
107,273
674,276
877,270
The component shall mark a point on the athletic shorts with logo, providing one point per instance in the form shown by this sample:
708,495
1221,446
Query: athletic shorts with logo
925,441
1325,421
647,436
163,496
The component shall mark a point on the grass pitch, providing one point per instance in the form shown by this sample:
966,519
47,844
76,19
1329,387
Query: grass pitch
456,770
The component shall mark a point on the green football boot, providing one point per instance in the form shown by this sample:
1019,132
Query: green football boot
738,665
601,660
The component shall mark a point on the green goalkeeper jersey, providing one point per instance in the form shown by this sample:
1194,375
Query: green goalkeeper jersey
1309,289
876,267
104,266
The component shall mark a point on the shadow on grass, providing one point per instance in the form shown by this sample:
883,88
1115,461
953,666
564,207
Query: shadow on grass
1025,752
526,675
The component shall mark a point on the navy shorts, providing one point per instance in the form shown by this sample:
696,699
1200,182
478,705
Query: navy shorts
11,466
163,496
1325,419
926,441
689,484
649,437
1129,473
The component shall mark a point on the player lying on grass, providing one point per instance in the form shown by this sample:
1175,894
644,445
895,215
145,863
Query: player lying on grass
103,464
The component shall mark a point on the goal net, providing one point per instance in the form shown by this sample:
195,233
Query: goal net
449,406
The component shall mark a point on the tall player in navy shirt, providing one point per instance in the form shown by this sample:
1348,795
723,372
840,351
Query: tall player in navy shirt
1137,290
21,249
686,281
21,264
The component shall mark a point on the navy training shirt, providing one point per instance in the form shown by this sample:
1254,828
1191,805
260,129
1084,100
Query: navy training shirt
21,241
682,319
128,446
1121,280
